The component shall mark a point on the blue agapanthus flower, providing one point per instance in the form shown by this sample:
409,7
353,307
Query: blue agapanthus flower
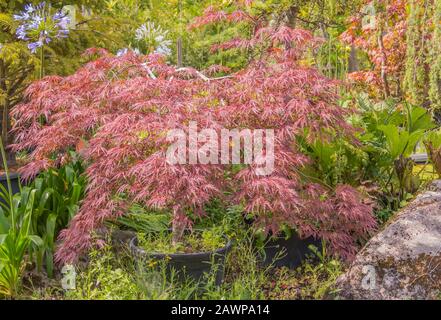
39,27
124,51
21,33
33,46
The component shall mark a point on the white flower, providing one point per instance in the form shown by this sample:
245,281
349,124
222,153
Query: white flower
124,51
163,50
154,36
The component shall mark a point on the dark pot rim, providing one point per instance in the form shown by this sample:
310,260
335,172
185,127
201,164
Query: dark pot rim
133,244
12,175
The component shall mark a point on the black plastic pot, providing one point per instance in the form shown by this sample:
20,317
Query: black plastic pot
187,265
121,238
290,253
15,183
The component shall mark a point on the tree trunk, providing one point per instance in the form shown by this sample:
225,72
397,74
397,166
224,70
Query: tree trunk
353,61
179,224
6,105
383,65
178,229
6,126
291,15
179,52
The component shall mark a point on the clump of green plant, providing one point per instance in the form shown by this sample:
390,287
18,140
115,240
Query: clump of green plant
432,142
142,220
391,132
322,275
105,278
16,235
314,279
156,283
58,195
244,276
196,241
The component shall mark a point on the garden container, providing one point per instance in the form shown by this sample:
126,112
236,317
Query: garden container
15,182
121,239
191,266
290,253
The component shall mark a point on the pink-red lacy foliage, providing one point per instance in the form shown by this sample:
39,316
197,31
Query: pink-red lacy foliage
120,117
391,18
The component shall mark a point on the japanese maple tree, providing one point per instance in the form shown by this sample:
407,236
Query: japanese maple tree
401,39
117,111
380,30
277,90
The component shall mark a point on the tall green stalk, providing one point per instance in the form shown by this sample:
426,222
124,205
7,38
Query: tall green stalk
42,62
8,180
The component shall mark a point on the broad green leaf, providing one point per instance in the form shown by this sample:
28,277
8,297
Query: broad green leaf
419,119
50,229
36,240
25,227
4,222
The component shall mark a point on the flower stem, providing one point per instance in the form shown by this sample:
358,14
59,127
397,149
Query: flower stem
42,62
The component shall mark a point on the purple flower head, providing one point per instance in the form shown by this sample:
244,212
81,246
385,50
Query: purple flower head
35,22
40,27
62,34
44,37
29,8
41,5
125,51
21,33
21,17
63,22
58,15
33,46
122,52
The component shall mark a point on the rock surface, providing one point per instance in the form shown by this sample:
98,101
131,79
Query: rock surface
403,261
